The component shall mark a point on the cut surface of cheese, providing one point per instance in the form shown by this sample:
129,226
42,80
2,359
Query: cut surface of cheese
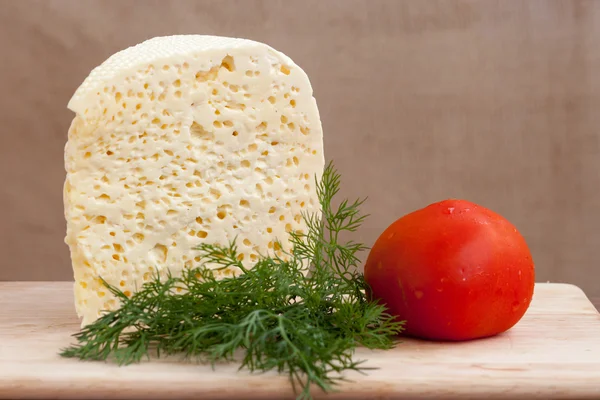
183,140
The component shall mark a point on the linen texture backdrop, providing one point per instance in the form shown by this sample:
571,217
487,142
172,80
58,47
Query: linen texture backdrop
496,102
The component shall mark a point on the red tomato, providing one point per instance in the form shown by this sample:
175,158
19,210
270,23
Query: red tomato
453,270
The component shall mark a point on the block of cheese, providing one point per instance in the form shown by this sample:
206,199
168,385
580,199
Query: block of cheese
182,140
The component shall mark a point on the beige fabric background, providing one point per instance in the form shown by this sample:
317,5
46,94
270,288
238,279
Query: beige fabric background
493,101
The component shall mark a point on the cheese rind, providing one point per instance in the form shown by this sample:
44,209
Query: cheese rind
182,140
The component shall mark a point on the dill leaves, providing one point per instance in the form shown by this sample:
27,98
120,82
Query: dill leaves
302,314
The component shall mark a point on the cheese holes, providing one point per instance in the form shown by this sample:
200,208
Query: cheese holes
228,63
215,193
160,252
284,70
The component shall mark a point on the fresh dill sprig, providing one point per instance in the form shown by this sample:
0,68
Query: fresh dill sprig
301,314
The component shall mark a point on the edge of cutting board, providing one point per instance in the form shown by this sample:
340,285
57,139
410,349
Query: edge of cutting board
30,336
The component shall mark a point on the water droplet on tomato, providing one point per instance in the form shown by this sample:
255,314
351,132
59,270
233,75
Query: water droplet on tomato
515,306
449,210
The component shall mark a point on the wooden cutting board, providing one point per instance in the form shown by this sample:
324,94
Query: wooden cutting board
554,352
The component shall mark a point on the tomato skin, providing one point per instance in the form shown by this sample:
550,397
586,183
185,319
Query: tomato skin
453,270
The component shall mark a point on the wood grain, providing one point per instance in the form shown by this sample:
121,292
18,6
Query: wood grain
554,352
